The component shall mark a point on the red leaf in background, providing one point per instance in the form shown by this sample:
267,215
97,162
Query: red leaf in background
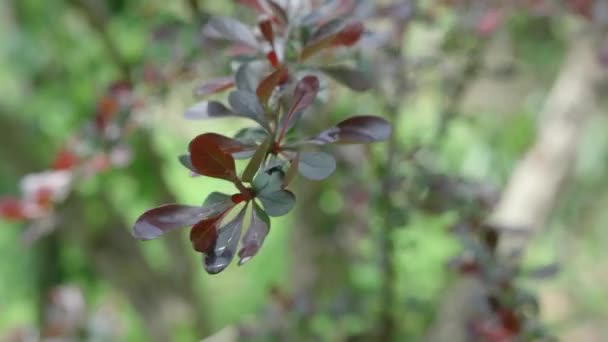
582,7
107,107
65,160
490,22
510,321
209,158
349,35
12,209
44,197
266,29
204,234
268,84
273,59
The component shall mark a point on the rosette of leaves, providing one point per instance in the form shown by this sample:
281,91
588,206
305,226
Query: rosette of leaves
217,225
274,160
286,40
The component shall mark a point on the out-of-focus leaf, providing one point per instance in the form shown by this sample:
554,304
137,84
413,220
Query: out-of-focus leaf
156,222
277,203
247,104
226,245
352,78
206,110
184,159
230,29
316,165
269,83
248,77
361,129
12,209
279,12
266,29
334,33
544,272
256,161
210,158
214,86
255,235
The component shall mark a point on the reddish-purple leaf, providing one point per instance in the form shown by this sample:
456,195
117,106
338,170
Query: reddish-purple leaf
156,222
266,29
278,12
255,235
356,130
215,86
224,249
303,96
334,33
268,84
204,234
210,154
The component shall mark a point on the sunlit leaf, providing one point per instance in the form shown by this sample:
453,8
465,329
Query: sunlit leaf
206,110
156,222
316,165
214,86
352,78
222,253
230,29
356,130
255,235
211,157
277,203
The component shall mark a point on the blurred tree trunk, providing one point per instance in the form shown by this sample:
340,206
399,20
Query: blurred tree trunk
534,187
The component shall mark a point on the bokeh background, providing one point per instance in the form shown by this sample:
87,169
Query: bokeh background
486,70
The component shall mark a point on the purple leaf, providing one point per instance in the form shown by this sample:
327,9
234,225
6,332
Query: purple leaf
211,156
225,245
156,222
356,130
255,235
303,96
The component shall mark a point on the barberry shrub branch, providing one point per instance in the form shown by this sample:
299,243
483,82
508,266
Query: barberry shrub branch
274,89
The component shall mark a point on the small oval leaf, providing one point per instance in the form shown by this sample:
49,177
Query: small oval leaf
278,203
247,104
255,235
316,165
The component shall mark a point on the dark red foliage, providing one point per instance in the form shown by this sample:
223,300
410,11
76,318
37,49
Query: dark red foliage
12,209
65,160
349,35
211,157
204,234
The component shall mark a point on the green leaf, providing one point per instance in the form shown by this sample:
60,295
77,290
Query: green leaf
316,165
278,203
